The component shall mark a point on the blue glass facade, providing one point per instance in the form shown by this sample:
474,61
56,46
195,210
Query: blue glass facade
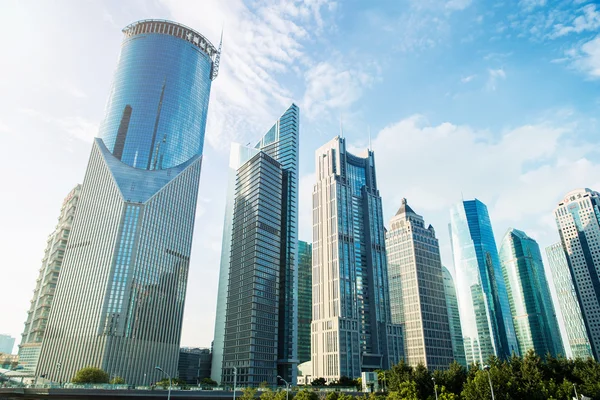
156,113
531,305
486,319
132,234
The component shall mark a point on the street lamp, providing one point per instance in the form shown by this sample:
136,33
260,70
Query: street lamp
234,380
287,387
58,367
575,389
487,369
169,376
434,387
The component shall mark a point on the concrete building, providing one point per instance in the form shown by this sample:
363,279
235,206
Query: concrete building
256,327
352,330
417,297
43,294
458,346
6,344
578,221
120,297
485,316
304,300
194,365
529,296
576,335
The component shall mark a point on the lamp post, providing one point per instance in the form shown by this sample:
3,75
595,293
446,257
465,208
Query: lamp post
287,387
169,376
575,389
234,380
487,369
58,367
434,387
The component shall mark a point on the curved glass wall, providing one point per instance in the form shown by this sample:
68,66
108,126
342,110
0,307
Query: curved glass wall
485,316
156,111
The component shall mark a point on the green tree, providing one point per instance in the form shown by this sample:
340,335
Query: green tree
91,375
318,382
444,394
281,395
408,391
399,373
345,396
422,379
248,394
117,380
306,394
164,383
332,396
453,378
267,394
394,396
208,382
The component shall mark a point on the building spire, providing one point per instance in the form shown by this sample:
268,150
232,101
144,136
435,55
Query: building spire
370,148
341,126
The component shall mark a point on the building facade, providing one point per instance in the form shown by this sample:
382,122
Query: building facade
529,296
416,285
120,297
485,316
6,344
576,335
458,346
351,328
256,327
43,294
194,365
304,300
578,221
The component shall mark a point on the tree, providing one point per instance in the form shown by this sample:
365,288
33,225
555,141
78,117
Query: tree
422,379
345,396
282,394
319,382
208,382
331,396
164,383
305,394
446,395
399,373
117,380
248,394
408,391
91,375
267,394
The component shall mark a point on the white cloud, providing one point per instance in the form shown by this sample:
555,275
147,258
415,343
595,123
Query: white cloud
262,41
531,4
332,86
494,76
520,174
589,20
458,4
76,127
468,79
586,58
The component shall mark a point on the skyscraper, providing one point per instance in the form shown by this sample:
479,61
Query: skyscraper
351,328
577,338
304,300
578,221
120,297
485,316
458,346
529,296
417,297
6,344
256,328
41,303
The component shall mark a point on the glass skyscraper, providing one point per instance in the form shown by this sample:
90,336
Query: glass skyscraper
352,330
45,287
304,300
458,346
529,296
485,317
578,221
577,338
256,327
120,297
417,297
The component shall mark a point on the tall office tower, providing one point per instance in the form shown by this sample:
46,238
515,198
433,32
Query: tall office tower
256,327
304,300
351,328
120,297
578,221
6,344
529,296
577,337
485,316
41,303
417,297
458,345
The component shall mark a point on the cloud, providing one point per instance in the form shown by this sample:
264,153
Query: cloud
586,58
520,173
529,5
331,86
458,4
262,43
589,20
494,76
76,127
468,79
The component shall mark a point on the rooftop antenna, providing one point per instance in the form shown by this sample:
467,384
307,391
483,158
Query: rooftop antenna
341,126
217,60
370,148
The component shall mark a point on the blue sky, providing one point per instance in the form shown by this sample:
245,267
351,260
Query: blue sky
494,100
